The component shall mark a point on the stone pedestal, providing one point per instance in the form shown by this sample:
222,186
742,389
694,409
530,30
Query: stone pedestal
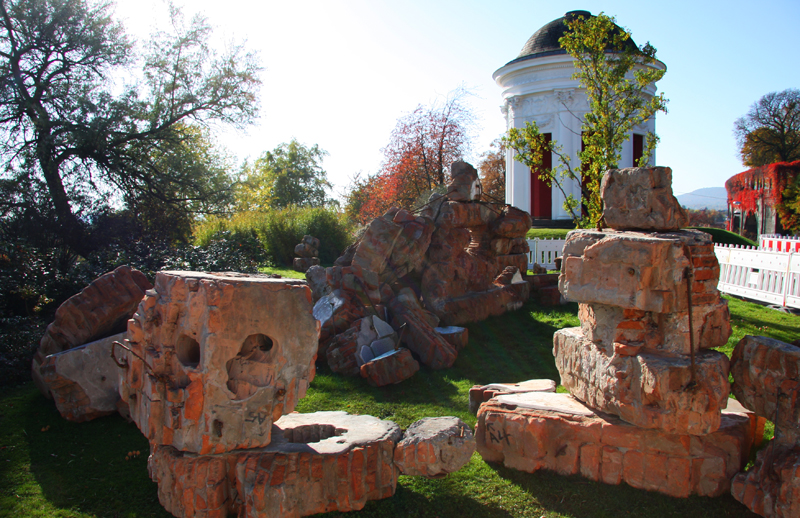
316,463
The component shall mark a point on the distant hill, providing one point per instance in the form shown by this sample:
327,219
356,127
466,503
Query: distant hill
705,198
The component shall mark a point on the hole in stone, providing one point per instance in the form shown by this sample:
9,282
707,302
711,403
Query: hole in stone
310,433
217,424
252,367
188,351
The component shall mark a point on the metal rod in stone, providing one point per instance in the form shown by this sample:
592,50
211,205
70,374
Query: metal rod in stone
689,275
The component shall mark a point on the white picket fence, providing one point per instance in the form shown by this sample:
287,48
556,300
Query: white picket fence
763,275
544,252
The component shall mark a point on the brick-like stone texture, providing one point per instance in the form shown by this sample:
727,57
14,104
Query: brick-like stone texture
639,270
387,370
771,487
538,430
101,309
766,380
84,380
317,463
644,389
640,198
434,447
217,358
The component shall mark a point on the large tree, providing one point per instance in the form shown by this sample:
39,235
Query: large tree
616,75
290,174
72,129
770,131
417,159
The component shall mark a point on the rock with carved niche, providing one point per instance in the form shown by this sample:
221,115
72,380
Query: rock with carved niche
215,358
640,198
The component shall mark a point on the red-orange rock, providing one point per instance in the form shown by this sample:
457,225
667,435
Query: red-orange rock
772,486
317,463
766,379
666,333
419,336
99,310
434,447
639,270
640,198
391,368
647,390
216,358
540,430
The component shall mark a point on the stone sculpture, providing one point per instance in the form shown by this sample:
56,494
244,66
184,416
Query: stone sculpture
307,251
460,260
212,363
647,395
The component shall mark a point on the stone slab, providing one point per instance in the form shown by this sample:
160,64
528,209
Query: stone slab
480,393
603,448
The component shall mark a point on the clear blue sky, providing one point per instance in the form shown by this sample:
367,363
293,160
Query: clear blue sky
340,73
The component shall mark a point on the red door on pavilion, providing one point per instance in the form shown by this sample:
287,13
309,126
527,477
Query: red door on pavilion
541,197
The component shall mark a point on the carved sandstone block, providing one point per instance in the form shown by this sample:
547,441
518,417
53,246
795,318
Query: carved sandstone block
216,358
639,270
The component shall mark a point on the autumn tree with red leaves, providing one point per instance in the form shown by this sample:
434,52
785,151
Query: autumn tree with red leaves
492,169
417,159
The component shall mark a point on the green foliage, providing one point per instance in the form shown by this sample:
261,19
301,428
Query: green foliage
279,231
724,237
616,76
547,233
79,140
789,207
770,131
291,174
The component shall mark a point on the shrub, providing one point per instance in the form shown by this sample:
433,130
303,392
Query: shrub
279,231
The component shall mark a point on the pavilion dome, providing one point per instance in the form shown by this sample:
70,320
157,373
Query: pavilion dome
544,42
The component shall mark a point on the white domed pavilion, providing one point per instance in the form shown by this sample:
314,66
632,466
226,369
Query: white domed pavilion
538,86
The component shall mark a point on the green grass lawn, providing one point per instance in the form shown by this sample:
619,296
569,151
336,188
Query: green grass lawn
52,467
